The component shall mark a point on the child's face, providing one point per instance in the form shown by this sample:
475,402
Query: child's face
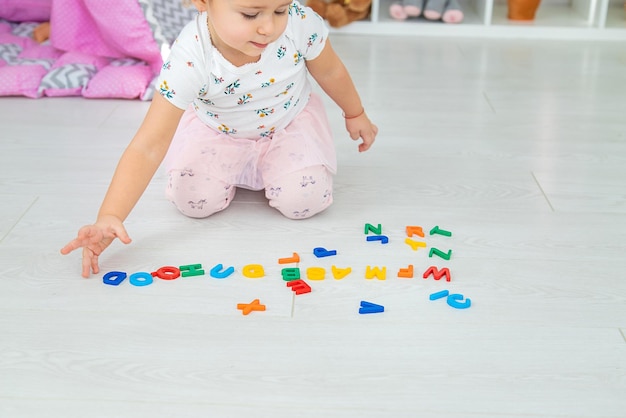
245,26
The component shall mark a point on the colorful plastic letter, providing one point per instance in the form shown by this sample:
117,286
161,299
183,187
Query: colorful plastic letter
415,244
380,274
438,274
339,274
167,273
437,252
414,230
315,273
253,271
295,258
376,230
141,278
453,300
369,308
382,238
192,270
437,230
218,271
439,295
299,286
114,278
246,308
406,273
323,252
290,274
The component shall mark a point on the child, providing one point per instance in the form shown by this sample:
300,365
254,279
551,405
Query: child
236,109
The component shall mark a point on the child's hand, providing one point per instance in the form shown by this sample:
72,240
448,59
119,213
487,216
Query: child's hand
362,127
94,239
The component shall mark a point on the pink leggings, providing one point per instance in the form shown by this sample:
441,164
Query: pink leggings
295,166
297,195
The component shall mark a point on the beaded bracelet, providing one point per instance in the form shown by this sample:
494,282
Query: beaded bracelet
355,116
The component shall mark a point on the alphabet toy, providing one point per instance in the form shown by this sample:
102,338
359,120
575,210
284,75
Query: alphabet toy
376,230
219,272
406,273
369,308
299,286
437,252
191,270
439,295
452,300
339,274
290,274
380,274
437,274
114,278
382,238
253,271
415,244
293,259
167,273
414,230
141,278
246,308
315,273
437,230
323,252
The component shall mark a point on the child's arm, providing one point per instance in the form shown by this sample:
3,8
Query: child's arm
333,77
135,169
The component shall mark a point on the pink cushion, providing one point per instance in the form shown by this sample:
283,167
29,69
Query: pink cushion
124,82
70,74
109,29
81,58
40,52
25,10
21,41
21,80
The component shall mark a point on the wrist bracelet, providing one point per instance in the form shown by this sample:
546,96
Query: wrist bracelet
353,117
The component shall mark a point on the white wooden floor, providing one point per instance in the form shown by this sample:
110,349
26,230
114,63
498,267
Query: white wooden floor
518,148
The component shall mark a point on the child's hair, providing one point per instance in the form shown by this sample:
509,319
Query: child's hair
187,3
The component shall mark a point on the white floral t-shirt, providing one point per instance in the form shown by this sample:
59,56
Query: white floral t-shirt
251,101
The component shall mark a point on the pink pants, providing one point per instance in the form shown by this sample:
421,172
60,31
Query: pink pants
295,166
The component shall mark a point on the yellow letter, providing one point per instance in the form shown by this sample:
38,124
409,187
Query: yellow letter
253,271
315,273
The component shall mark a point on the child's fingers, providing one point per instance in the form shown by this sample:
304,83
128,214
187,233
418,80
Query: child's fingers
368,139
86,235
121,234
87,262
95,268
69,247
90,263
74,245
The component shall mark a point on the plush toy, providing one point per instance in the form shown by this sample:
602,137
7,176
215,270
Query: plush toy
339,13
448,11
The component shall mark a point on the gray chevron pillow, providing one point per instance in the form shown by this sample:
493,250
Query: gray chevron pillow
166,18
68,80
